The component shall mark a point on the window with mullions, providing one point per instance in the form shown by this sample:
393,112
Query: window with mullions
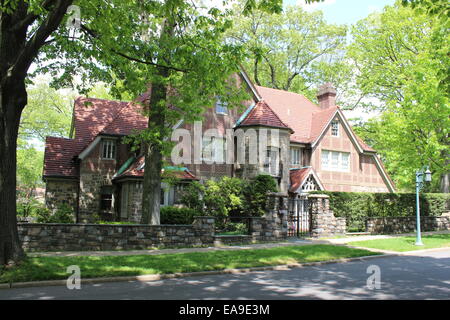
335,161
109,149
335,128
221,107
295,156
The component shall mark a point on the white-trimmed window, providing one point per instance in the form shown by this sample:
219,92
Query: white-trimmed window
214,149
221,107
335,128
295,156
335,161
109,149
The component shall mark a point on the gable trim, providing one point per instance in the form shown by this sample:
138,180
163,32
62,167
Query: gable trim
250,84
384,174
347,128
316,178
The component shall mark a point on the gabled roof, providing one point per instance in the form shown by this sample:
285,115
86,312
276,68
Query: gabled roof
307,120
299,176
261,114
58,157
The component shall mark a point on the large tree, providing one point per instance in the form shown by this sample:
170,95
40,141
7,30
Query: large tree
401,56
24,29
295,50
172,44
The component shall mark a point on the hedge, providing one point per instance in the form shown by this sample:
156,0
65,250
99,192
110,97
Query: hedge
356,207
174,215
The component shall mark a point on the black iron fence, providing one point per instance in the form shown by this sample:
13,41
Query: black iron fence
299,220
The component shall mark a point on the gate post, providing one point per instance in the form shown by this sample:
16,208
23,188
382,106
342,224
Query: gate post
275,219
322,219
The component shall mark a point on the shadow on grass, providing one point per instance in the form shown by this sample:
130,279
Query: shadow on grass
54,268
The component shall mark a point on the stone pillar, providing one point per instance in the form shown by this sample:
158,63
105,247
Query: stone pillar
275,219
204,229
323,222
256,228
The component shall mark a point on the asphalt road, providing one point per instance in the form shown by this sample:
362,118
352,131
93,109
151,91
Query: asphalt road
422,276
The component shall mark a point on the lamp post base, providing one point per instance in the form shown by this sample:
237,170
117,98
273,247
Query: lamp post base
419,243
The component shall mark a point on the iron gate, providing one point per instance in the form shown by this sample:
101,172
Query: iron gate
299,222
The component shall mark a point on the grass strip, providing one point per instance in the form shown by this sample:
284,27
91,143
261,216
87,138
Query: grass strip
402,244
54,268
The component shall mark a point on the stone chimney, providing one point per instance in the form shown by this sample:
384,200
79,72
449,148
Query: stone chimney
326,96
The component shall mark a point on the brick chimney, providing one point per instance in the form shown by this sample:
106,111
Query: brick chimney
326,96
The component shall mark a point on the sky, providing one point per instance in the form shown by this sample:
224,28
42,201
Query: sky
343,11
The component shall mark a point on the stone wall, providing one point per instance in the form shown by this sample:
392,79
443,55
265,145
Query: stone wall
85,237
60,192
273,225
389,225
323,222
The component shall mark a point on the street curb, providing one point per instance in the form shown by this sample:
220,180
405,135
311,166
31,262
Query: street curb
156,277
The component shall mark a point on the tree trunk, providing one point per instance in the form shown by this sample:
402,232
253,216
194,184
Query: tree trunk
151,197
12,101
445,177
157,108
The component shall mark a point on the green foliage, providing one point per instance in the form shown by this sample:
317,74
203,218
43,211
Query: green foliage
402,58
174,215
29,207
29,166
229,196
295,50
223,198
255,195
191,196
63,214
235,228
356,207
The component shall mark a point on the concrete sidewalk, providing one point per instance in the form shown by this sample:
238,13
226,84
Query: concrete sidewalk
289,242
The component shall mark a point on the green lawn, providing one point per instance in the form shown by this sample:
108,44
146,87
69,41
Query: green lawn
406,243
53,268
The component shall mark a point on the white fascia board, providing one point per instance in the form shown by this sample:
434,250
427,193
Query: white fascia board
316,177
347,127
93,144
89,148
383,173
250,85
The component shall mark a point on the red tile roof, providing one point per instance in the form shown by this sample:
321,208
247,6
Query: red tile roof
280,109
91,117
297,177
262,115
58,157
304,117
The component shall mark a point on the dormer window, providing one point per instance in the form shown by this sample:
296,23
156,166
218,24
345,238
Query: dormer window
109,149
221,107
335,128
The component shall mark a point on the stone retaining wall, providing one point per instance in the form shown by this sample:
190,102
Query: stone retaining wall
406,224
85,237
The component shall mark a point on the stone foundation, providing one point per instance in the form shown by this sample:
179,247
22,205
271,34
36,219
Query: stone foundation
392,225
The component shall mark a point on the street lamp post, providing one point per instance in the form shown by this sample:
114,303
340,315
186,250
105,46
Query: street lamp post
420,175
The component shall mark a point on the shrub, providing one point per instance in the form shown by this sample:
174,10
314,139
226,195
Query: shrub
28,207
174,215
192,196
357,207
255,194
64,214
